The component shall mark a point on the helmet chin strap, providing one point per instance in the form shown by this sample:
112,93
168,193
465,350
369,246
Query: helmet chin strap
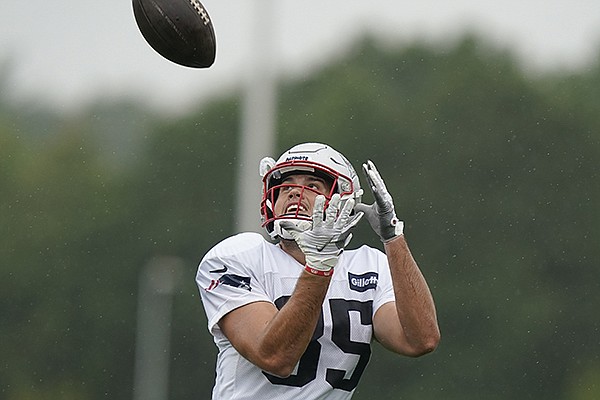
279,232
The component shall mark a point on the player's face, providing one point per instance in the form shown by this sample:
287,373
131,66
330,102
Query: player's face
298,197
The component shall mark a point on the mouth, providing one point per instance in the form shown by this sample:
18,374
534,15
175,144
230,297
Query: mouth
296,209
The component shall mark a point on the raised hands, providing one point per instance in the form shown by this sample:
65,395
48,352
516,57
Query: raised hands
329,235
381,214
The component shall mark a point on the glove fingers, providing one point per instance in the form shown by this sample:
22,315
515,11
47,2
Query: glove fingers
375,178
344,214
343,242
375,182
380,192
348,239
331,213
317,214
368,175
381,200
364,208
375,175
345,217
354,221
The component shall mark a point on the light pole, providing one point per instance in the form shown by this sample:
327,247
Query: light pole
157,283
258,115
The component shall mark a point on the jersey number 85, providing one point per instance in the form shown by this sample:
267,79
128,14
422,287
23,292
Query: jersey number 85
340,336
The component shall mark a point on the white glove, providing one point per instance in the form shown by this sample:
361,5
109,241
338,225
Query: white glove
326,240
381,214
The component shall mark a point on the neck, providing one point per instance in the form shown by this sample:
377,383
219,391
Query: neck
291,247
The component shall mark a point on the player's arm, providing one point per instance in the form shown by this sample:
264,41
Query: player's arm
409,325
274,340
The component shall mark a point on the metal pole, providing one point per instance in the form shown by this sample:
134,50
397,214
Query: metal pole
158,280
258,116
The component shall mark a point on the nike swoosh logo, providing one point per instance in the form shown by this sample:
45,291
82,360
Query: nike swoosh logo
219,270
321,248
339,244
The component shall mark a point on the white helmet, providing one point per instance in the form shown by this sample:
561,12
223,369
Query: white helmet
312,158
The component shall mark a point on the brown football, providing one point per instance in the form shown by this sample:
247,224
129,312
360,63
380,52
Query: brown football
179,30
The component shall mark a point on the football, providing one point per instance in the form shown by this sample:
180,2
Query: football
179,30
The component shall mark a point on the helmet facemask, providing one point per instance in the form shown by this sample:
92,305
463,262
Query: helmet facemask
274,185
308,158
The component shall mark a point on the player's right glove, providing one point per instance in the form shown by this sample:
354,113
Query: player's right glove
381,214
326,240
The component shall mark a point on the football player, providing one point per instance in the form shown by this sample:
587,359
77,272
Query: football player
294,318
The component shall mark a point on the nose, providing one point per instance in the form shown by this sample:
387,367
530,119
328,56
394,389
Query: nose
294,191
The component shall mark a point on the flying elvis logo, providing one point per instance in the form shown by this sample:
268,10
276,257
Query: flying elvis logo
242,282
364,282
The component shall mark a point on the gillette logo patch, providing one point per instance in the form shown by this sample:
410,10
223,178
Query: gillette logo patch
364,282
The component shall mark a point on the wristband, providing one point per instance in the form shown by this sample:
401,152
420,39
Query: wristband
319,272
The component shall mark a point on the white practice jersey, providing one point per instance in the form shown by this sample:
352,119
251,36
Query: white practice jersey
246,268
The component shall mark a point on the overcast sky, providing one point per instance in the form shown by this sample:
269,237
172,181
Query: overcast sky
68,52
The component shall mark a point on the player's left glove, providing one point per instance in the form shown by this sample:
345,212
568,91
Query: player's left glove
329,235
381,214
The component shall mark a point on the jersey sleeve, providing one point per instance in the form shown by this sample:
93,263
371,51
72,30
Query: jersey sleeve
230,276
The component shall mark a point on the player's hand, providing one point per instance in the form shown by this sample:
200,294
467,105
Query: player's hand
381,214
329,235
